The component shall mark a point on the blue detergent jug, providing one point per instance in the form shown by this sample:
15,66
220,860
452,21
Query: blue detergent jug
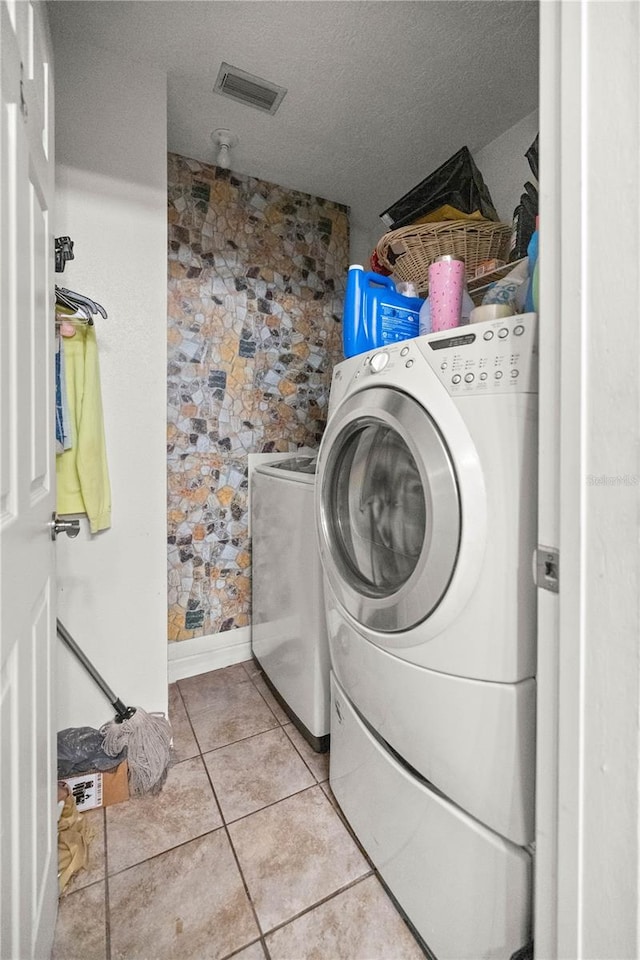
375,314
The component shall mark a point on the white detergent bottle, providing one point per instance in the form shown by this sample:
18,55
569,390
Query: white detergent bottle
424,318
467,306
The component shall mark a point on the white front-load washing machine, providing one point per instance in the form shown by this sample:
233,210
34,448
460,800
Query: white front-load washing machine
426,514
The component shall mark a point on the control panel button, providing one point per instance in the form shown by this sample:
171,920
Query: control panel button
456,378
498,374
519,330
515,373
443,366
488,335
483,376
469,378
409,363
379,361
404,351
503,332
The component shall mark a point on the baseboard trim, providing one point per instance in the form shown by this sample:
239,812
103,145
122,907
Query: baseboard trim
188,658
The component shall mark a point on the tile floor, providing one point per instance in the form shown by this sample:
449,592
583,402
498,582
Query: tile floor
243,854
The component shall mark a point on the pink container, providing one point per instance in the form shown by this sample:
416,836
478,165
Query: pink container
446,284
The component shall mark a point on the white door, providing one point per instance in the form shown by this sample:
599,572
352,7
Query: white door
28,835
588,797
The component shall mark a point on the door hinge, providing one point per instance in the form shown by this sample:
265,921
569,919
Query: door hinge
23,103
548,568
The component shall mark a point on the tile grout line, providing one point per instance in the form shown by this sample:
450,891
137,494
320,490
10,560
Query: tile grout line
278,724
238,865
199,836
320,903
295,747
273,803
336,807
232,742
236,953
155,856
188,716
283,726
262,934
317,783
107,897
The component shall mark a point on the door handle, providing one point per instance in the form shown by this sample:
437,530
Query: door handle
58,526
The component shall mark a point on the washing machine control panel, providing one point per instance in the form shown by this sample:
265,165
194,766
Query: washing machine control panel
496,356
493,357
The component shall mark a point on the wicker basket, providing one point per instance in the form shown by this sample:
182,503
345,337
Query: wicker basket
407,252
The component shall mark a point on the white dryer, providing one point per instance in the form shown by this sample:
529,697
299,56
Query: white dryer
426,515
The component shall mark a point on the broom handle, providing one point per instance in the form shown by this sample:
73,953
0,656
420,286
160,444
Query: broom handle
115,702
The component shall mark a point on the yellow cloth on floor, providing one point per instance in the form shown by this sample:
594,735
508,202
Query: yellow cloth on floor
82,473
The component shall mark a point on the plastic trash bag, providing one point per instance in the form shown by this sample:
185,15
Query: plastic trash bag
80,750
532,156
511,289
456,190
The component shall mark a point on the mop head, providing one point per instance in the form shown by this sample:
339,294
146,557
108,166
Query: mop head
147,740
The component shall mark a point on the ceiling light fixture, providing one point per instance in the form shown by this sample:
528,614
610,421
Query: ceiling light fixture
225,141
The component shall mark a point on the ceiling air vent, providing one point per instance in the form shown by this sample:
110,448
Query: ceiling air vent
246,88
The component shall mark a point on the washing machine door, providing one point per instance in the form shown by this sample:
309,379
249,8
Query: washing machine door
389,515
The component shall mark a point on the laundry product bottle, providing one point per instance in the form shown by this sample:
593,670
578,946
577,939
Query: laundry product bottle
531,301
375,314
425,318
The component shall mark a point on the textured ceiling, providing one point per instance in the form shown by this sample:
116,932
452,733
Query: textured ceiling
380,92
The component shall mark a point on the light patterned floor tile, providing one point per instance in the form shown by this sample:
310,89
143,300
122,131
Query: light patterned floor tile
148,825
252,668
280,714
360,923
184,742
80,928
254,952
199,692
293,854
318,763
188,903
255,772
238,711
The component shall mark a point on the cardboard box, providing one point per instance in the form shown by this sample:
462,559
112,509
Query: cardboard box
99,788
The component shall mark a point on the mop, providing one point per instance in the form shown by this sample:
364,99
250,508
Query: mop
146,736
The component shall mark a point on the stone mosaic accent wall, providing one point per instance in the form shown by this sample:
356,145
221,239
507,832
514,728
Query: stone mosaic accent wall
256,286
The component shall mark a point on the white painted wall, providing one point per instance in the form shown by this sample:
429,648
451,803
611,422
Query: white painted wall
364,233
504,166
111,184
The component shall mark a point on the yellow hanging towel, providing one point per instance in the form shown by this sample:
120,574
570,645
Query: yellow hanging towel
82,473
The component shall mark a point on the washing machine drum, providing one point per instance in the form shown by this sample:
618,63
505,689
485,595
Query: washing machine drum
389,513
